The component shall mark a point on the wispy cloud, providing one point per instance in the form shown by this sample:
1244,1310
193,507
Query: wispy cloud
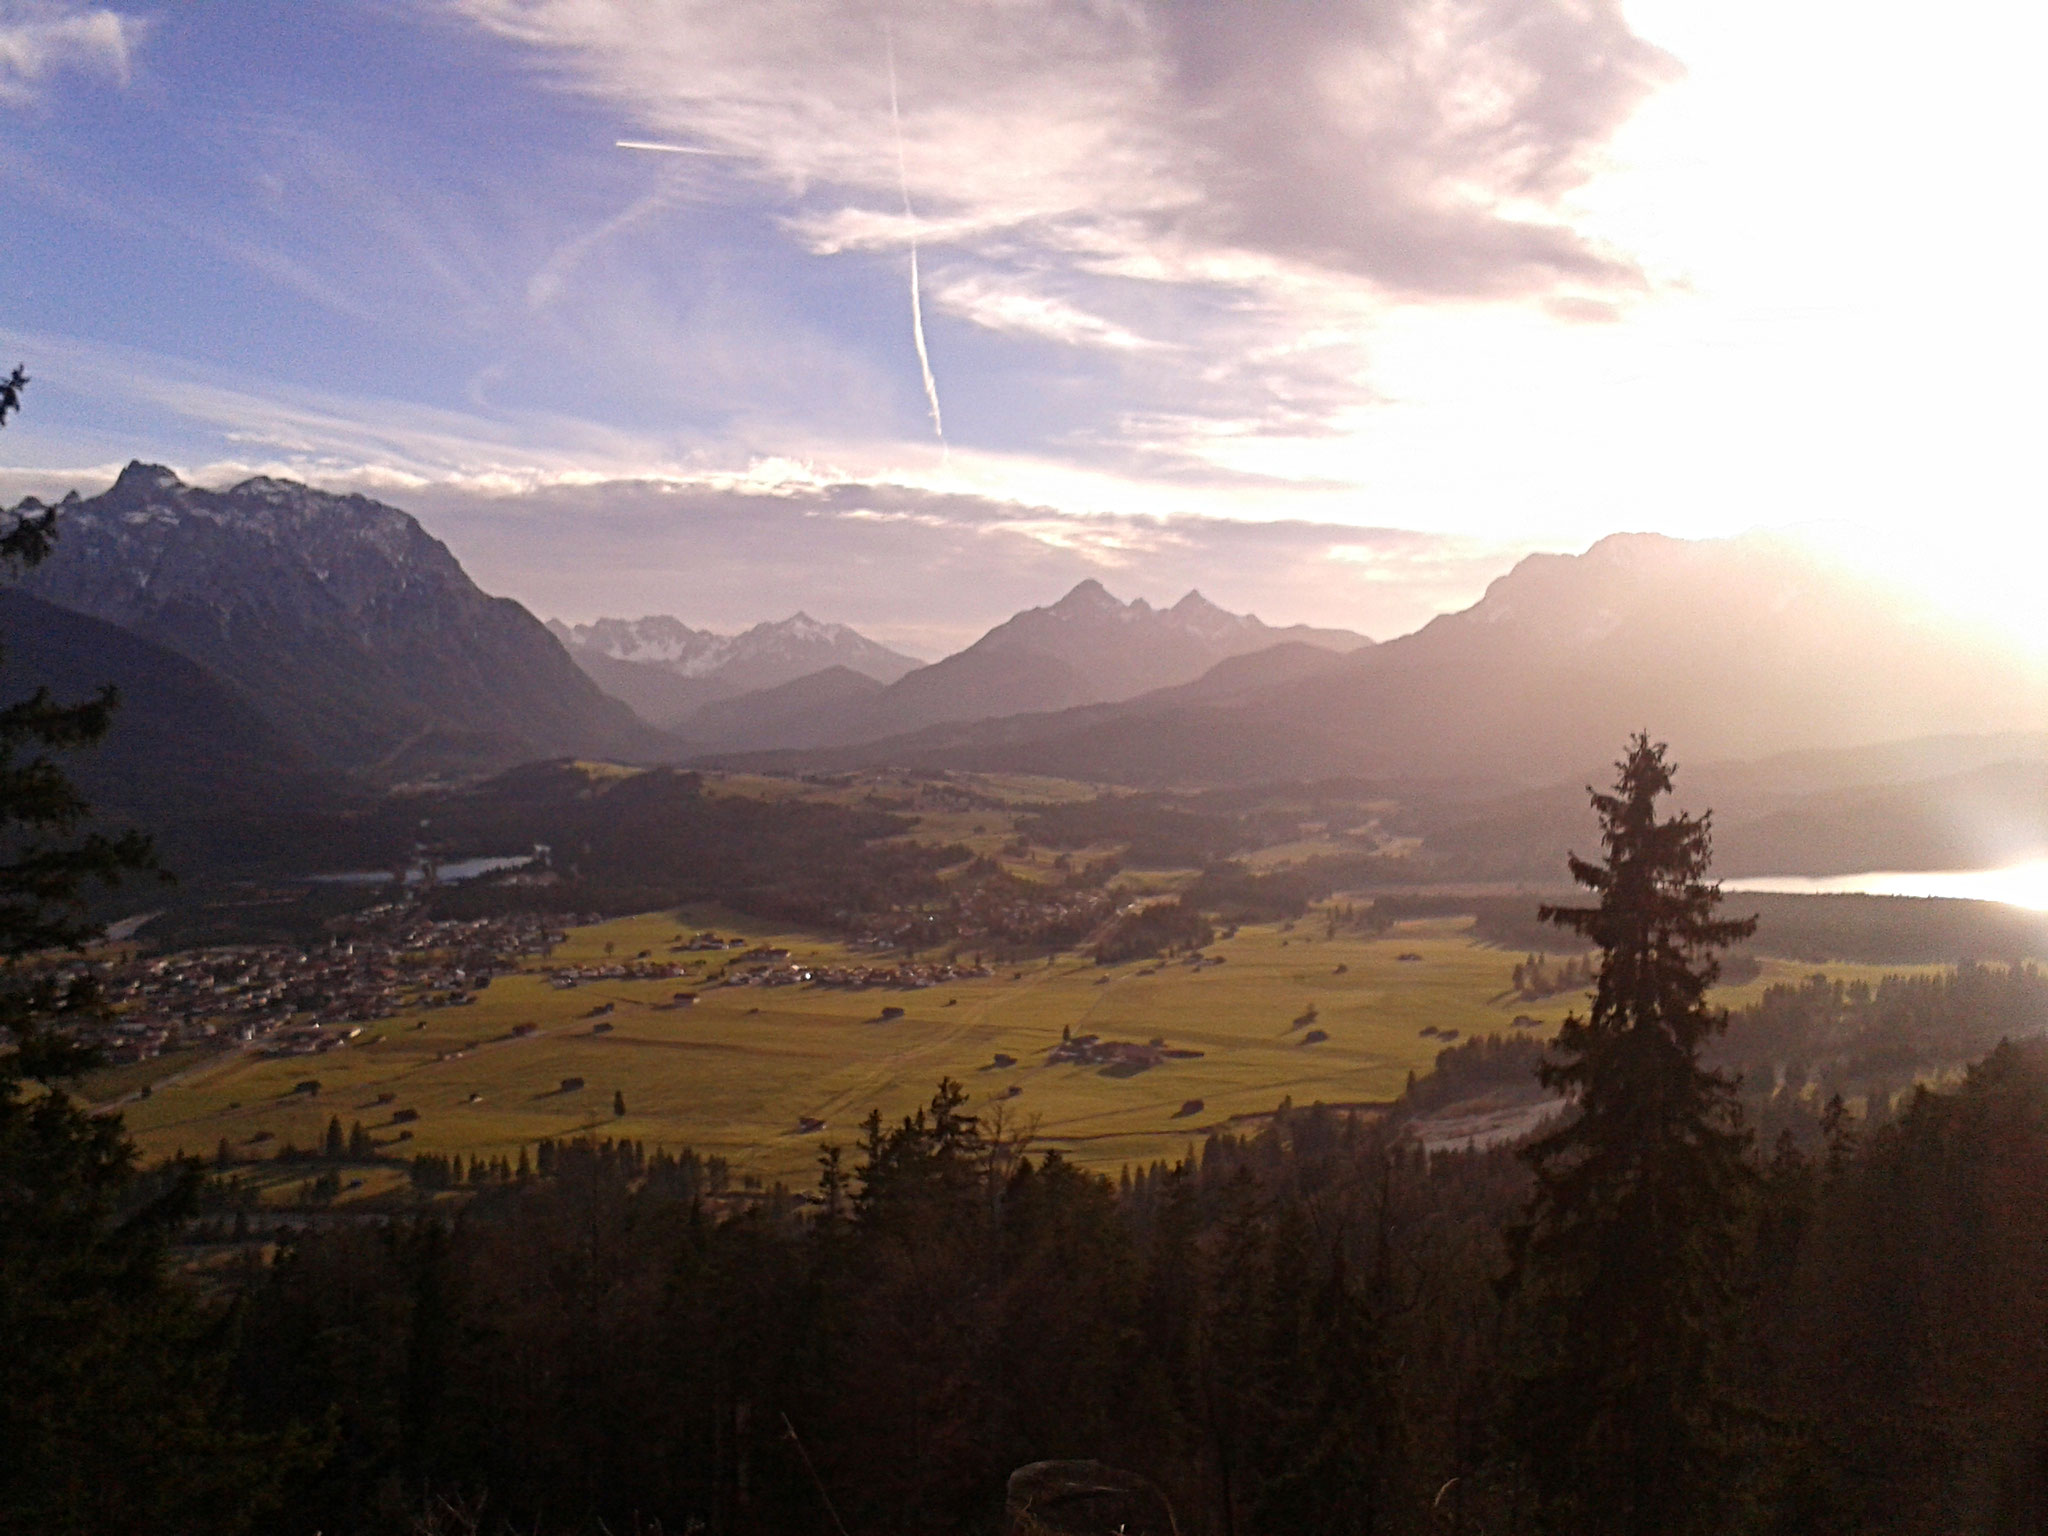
1423,145
546,283
1115,177
39,41
925,570
585,521
1016,310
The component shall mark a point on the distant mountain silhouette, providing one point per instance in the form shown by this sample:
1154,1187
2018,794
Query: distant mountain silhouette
1727,649
341,620
188,759
782,714
662,697
1948,802
1086,648
666,670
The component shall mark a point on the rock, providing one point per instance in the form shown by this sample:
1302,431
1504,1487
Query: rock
1084,1498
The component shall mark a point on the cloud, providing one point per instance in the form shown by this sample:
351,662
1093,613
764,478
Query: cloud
925,570
1422,145
729,543
40,41
546,283
1017,311
582,521
1211,205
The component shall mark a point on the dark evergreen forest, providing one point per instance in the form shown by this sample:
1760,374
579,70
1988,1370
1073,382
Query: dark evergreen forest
1297,1331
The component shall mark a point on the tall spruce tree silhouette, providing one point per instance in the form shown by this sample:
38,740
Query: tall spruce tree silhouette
1623,1267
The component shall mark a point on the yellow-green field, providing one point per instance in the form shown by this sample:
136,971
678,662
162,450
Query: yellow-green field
732,1074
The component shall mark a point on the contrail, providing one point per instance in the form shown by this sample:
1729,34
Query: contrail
924,358
669,149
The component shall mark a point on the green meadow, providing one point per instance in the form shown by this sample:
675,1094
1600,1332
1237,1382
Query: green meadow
735,1072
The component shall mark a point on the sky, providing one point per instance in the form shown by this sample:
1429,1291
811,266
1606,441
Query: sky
1331,310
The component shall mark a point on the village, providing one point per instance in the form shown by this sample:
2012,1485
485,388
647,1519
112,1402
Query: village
774,968
288,1001
1007,915
760,966
282,1000
1125,1057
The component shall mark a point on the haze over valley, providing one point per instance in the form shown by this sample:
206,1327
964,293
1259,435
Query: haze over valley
338,651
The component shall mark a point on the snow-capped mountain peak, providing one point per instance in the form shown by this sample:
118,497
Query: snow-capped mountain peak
769,654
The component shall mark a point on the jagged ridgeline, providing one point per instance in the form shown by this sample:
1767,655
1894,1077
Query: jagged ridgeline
729,684
352,632
1737,648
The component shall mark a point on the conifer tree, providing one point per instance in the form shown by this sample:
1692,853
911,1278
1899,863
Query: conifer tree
1625,1263
109,1379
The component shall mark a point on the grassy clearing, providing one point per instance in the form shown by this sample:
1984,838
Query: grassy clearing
733,1073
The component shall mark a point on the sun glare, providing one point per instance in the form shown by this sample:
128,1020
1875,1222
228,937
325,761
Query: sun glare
2017,885
1996,588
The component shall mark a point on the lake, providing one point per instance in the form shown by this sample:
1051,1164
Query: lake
453,870
2017,885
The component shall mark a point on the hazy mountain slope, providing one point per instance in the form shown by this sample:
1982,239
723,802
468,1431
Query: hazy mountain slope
666,670
188,758
658,694
1086,648
1126,723
776,717
1726,649
1978,820
337,617
1895,806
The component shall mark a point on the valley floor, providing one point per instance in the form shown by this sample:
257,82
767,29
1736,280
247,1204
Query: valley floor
744,1072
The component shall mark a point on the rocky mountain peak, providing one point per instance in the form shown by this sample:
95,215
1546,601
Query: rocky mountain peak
771,653
271,489
341,619
1196,614
1087,597
139,482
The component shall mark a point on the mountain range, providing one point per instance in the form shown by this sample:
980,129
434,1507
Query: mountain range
283,648
667,671
338,619
1727,649
1089,647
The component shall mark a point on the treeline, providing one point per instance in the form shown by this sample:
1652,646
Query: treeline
1298,1331
1870,930
1237,893
1825,1036
684,1175
655,839
1155,832
1535,978
1484,1064
1160,928
1162,829
618,843
595,1347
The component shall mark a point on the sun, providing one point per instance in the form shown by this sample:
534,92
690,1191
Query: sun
1992,586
